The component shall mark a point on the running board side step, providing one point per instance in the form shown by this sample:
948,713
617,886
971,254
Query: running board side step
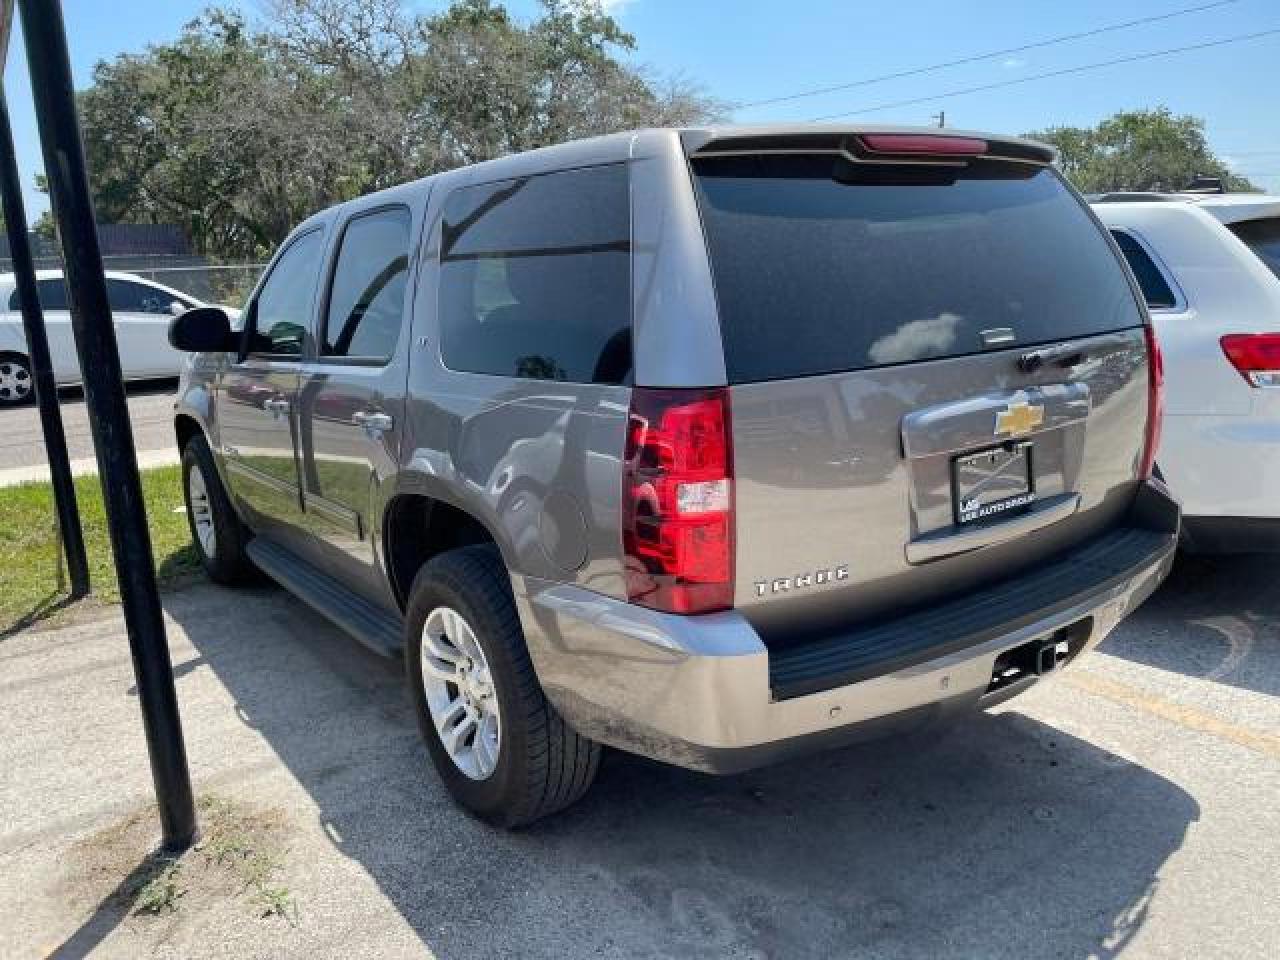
378,629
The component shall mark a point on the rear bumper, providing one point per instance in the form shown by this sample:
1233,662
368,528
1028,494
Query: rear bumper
1231,534
1224,466
705,693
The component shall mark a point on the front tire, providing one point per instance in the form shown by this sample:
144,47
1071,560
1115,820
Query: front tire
502,750
216,532
16,385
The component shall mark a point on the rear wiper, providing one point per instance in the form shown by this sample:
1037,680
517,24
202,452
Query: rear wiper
1064,355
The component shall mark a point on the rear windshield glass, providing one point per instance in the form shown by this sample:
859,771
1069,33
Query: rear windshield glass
822,266
1263,238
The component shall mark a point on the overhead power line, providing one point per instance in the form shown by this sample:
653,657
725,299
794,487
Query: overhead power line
975,58
1053,73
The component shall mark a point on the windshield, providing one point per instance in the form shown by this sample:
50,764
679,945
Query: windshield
821,265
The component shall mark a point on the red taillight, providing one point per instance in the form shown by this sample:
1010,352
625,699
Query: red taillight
1256,356
1155,403
677,500
923,143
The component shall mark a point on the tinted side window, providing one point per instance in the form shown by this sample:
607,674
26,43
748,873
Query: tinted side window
282,311
535,277
1155,288
1263,238
52,293
130,297
366,300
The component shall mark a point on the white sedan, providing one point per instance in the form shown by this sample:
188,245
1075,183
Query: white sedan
141,309
1209,266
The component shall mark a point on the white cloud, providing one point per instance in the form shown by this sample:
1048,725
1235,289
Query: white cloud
1013,63
917,340
615,6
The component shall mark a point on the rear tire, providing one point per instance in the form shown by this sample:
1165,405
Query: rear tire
542,765
217,533
16,385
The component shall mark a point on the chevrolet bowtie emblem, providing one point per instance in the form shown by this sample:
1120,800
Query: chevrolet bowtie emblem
1018,419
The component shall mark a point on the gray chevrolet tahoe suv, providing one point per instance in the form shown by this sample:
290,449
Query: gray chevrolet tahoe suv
713,445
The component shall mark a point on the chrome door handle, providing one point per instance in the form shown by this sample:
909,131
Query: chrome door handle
373,421
276,407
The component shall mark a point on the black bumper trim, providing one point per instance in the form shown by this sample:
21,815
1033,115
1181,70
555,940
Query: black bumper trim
1230,535
888,646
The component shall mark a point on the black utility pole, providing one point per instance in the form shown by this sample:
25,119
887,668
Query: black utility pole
55,441
47,59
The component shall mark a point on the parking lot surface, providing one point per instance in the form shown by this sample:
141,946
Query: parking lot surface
22,453
1126,808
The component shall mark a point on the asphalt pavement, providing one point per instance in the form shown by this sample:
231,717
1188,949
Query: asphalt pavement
22,451
1127,807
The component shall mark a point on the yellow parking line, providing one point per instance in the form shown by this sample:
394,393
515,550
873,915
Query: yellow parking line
1183,716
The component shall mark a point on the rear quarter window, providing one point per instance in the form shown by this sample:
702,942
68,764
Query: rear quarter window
1263,238
535,277
820,267
1155,289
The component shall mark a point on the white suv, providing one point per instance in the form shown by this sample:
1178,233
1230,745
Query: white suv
1209,266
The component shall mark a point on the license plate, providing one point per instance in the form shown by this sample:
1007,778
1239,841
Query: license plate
992,482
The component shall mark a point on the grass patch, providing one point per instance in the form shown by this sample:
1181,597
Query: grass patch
238,841
29,544
161,890
239,863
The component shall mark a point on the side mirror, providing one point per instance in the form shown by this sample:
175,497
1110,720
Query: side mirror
177,308
203,330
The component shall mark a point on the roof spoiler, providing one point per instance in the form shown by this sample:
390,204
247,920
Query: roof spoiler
874,145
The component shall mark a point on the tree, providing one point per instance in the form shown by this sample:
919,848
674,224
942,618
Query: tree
1138,150
239,132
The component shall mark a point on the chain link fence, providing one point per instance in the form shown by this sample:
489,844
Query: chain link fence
204,278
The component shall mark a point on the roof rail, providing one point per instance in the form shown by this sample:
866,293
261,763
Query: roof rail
1129,196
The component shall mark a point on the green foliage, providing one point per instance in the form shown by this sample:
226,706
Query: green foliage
238,132
45,227
162,888
1138,150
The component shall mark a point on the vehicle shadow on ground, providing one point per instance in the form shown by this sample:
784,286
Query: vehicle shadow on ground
1005,836
1216,618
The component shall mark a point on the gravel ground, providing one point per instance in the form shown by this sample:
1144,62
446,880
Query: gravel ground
1127,807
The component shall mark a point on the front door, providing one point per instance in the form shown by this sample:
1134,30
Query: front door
256,407
350,401
141,314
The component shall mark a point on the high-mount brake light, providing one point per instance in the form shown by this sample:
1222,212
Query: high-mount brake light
1256,356
677,500
926,143
1155,403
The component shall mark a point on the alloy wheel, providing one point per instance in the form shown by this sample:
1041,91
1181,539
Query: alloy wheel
460,693
15,381
201,511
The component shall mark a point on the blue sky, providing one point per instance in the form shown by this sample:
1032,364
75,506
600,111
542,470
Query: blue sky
750,50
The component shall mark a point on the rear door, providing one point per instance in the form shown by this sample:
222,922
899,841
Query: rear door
351,396
891,444
257,393
57,325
